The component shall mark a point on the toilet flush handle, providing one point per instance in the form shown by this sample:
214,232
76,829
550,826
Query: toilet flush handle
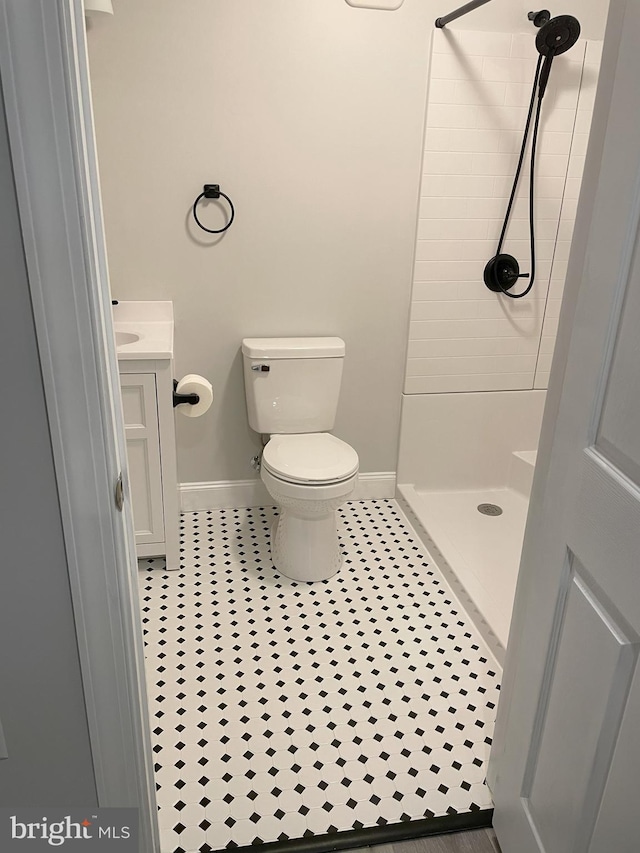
261,368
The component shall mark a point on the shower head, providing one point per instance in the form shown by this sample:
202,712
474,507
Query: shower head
555,37
558,35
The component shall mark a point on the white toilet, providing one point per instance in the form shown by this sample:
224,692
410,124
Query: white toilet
292,387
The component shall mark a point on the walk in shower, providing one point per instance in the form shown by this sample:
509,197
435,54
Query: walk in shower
478,362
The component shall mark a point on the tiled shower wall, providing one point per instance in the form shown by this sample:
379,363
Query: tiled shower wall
463,337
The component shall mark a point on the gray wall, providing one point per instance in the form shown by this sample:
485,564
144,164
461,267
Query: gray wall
309,113
41,697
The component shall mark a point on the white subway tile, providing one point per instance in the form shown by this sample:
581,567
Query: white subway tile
576,166
475,250
551,326
563,95
520,248
434,207
479,382
480,92
572,188
451,67
432,329
462,336
552,165
556,288
559,120
435,290
512,70
518,94
475,288
437,139
441,43
476,309
446,347
593,53
579,144
452,229
446,163
442,91
453,250
483,43
476,140
452,115
569,208
547,344
467,366
457,186
502,118
541,382
565,230
583,121
443,270
549,187
551,142
438,250
494,164
511,140
523,46
552,310
563,248
544,362
489,207
519,228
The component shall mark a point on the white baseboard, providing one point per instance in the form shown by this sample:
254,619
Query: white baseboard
233,494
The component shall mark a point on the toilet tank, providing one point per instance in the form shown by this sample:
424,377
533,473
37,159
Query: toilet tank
292,385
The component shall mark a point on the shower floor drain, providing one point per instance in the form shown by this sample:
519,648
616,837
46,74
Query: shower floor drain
490,509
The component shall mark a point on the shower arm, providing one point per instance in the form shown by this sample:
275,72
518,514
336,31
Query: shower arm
458,13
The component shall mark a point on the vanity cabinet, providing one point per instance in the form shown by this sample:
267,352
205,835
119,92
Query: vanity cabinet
139,405
147,402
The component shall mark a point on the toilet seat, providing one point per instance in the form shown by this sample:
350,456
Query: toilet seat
310,458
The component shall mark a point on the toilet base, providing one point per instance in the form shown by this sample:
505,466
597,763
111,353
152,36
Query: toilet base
306,549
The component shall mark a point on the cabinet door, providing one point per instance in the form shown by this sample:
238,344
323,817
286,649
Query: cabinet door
143,454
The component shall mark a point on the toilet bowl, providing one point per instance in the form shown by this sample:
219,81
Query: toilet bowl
292,386
309,476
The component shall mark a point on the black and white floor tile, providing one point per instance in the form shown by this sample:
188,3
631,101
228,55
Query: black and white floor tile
283,710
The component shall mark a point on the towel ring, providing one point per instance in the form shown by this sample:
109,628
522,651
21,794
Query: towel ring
213,191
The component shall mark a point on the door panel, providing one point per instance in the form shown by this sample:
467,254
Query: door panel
620,418
564,735
139,403
592,664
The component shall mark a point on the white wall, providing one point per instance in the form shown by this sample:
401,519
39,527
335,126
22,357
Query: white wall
310,115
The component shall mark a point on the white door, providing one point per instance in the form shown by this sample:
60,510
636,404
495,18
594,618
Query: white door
566,760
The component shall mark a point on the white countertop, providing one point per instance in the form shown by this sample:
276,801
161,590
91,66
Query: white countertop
151,322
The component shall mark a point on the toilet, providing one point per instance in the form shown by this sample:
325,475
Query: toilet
292,387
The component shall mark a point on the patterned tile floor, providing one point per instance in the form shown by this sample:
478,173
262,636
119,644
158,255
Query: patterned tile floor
282,710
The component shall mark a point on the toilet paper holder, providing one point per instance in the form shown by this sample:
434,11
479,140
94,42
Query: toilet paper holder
192,399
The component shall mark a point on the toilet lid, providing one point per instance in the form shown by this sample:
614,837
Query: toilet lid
316,457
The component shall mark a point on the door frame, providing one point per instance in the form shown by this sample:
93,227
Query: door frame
45,81
44,75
